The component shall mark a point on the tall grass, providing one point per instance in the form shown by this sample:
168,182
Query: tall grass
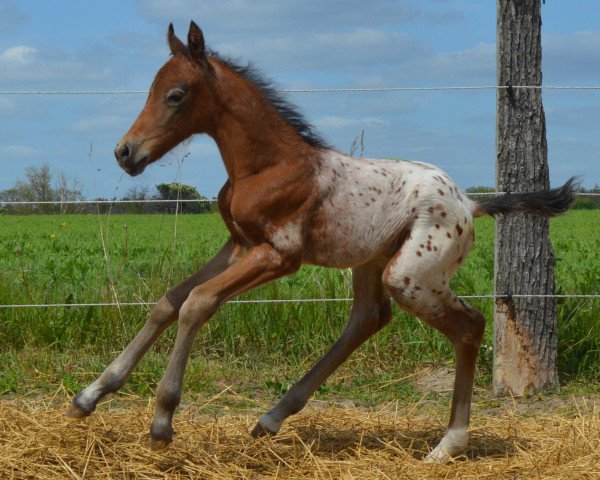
60,259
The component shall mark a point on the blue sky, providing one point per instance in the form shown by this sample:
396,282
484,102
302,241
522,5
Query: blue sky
110,45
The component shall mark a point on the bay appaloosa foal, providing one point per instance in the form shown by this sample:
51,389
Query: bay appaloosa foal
404,228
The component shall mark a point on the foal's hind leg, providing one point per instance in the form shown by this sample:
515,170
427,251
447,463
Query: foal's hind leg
464,327
162,315
417,278
370,312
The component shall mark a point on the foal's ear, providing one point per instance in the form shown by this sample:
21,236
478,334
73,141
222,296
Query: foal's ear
175,44
196,44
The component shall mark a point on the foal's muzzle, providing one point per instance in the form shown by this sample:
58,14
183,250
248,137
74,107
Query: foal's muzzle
130,159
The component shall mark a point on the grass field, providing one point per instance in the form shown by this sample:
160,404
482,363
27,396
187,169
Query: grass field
79,259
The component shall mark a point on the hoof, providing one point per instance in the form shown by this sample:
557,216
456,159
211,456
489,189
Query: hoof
437,456
261,431
266,426
159,444
453,444
75,412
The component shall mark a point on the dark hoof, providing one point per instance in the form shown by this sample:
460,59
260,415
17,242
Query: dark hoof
160,444
261,431
76,412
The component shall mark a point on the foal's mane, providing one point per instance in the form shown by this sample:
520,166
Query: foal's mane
287,110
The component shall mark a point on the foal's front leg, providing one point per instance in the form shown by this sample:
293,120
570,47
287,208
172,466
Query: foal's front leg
162,315
261,264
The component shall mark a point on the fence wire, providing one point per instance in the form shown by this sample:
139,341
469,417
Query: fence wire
289,90
200,200
281,300
327,90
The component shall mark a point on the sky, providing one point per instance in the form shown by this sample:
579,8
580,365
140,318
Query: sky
79,45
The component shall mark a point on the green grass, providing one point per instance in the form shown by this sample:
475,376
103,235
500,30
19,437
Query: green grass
65,259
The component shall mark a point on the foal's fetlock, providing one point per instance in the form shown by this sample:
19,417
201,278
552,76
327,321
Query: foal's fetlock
266,425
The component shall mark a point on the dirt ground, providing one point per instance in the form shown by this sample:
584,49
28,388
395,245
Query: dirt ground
546,437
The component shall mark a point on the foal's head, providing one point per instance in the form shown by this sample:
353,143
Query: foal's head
179,104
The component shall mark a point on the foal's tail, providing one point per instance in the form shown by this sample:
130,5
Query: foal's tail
546,203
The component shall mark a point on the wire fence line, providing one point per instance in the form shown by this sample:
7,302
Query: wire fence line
199,200
212,200
282,300
251,301
326,90
93,202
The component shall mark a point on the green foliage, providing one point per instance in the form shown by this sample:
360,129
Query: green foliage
90,258
584,204
41,184
480,189
181,191
473,193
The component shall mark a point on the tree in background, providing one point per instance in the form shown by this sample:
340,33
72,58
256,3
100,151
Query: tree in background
41,184
591,201
181,191
474,191
141,193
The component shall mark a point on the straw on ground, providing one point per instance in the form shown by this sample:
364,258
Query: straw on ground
561,439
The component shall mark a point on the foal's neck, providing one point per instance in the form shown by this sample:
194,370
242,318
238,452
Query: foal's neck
251,135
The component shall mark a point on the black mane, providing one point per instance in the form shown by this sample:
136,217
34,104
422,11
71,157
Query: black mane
286,109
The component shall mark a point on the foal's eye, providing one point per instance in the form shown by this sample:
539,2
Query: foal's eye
175,96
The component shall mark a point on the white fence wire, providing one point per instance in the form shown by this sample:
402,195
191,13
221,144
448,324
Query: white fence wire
198,200
212,200
281,300
446,88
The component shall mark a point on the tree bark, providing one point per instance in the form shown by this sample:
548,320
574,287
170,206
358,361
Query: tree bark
525,339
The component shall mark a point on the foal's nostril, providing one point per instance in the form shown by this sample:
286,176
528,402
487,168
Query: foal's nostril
122,152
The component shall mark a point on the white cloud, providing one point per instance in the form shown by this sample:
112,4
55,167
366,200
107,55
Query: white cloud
471,66
333,121
355,50
19,55
20,151
571,58
24,66
335,35
275,15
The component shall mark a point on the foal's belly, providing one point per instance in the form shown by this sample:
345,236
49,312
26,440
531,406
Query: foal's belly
352,234
365,208
339,251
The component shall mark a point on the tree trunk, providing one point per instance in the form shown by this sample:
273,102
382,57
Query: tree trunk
525,338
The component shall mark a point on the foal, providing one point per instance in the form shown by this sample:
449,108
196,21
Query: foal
404,229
